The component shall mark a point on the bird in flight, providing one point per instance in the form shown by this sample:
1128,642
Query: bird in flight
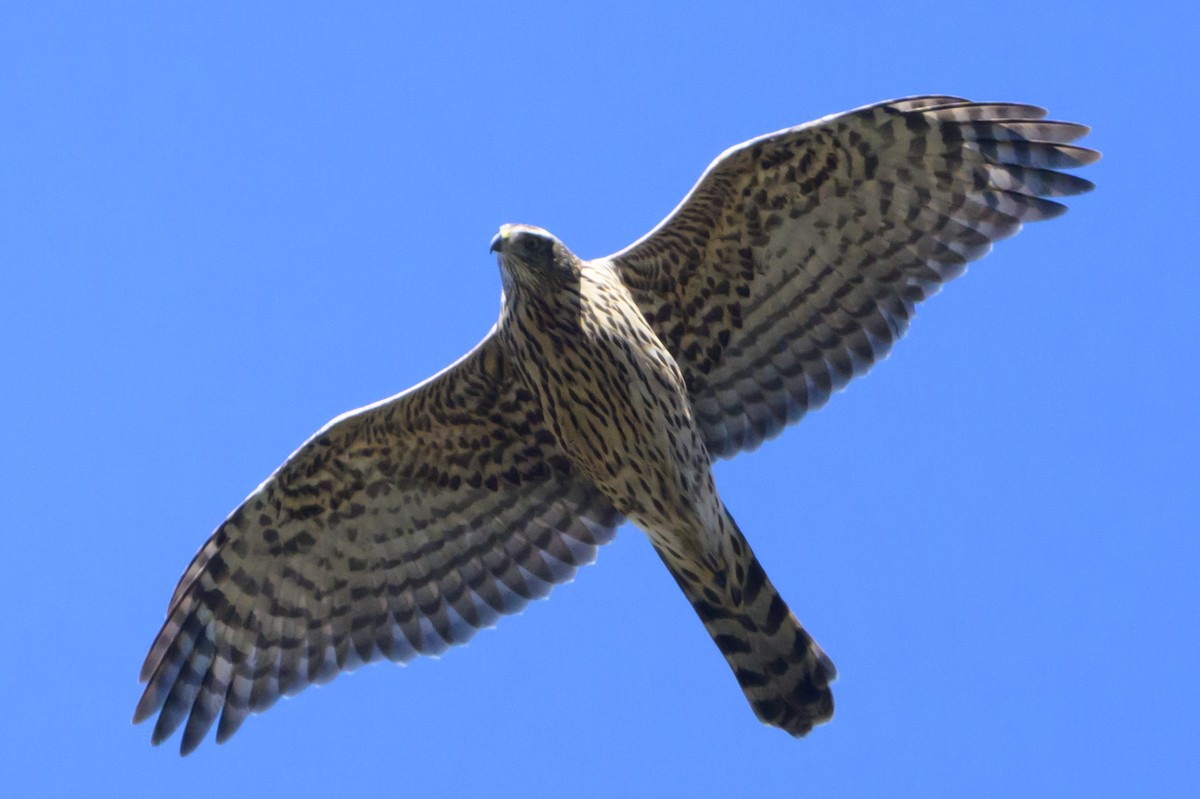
604,393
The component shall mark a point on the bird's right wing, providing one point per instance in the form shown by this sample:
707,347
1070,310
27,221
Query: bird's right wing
398,529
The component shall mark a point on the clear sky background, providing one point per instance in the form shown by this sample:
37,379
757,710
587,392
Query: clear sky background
220,226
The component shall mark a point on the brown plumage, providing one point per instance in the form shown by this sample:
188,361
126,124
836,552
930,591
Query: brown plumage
605,392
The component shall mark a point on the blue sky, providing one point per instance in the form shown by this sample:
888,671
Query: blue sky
220,226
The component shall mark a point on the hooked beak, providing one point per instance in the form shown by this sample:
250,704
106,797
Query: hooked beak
501,238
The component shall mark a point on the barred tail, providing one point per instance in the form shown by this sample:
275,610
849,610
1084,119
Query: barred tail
783,672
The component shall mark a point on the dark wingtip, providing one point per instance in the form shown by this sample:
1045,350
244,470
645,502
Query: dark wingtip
1081,156
189,743
146,706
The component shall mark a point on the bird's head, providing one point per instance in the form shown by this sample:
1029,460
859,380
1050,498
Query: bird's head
531,257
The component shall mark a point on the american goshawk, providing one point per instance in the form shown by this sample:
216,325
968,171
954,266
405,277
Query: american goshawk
604,392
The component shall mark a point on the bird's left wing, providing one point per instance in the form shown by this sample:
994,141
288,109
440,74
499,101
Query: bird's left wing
398,529
799,257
